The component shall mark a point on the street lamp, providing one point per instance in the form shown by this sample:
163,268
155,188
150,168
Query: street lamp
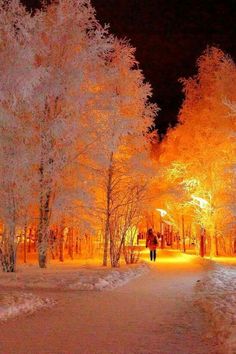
162,212
202,203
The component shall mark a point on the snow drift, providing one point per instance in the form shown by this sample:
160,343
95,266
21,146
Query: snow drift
82,278
17,303
217,297
113,279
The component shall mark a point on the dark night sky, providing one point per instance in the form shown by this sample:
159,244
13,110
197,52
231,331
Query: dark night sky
169,36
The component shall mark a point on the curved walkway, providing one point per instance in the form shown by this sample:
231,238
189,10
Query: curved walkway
153,314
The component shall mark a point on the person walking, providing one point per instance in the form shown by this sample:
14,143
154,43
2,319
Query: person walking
152,243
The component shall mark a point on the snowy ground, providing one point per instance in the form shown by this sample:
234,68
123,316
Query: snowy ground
216,294
157,312
15,303
85,277
152,314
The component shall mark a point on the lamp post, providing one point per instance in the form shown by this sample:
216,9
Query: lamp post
162,212
202,203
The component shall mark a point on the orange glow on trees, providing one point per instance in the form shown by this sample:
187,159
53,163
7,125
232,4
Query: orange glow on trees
122,129
75,153
201,149
87,102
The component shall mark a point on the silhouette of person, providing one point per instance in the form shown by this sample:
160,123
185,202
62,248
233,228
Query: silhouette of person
151,243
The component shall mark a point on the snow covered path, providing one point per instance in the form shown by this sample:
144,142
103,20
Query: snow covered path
153,314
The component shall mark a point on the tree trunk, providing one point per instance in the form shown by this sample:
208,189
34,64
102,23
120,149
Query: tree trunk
202,242
77,245
8,250
25,244
171,237
30,240
217,245
8,259
177,240
46,171
43,232
106,239
61,246
108,211
212,245
114,256
183,234
71,243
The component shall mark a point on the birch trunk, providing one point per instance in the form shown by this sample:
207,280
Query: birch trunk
115,255
25,244
108,211
43,232
8,250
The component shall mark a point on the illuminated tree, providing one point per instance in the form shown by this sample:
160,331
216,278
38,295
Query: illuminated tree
123,118
202,142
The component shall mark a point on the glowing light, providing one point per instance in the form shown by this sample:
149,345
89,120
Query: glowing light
163,212
168,222
202,203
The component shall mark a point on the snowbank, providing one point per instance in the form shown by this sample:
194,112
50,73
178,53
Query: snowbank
16,303
217,297
80,278
112,279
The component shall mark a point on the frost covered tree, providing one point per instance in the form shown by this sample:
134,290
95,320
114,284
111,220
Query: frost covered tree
121,120
71,97
69,46
17,82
